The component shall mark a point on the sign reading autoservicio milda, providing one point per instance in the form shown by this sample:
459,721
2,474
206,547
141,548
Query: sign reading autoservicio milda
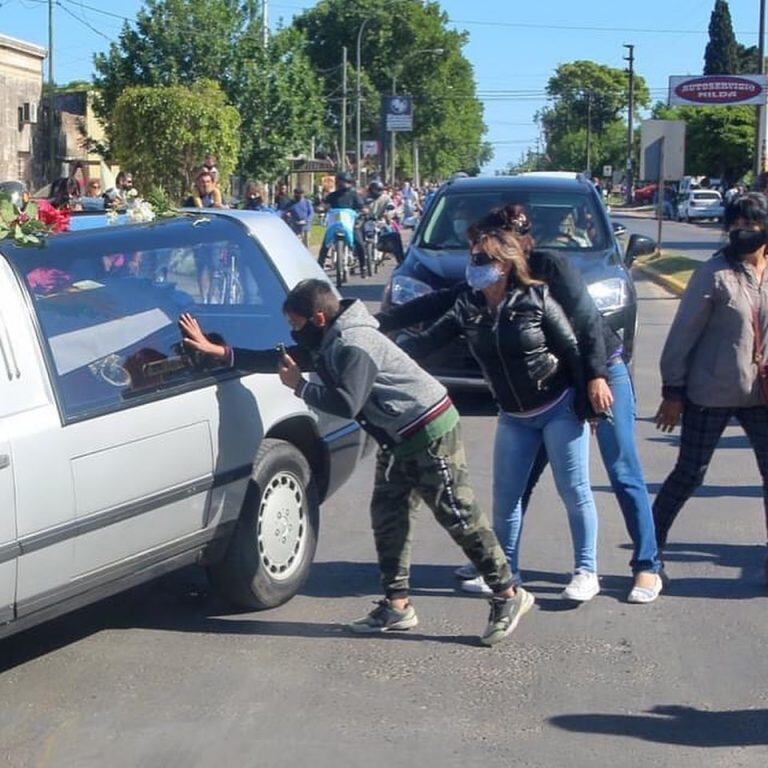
717,90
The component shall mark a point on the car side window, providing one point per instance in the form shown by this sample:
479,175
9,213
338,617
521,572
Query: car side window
108,302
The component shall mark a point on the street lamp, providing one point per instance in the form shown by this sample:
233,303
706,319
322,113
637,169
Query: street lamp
437,52
359,102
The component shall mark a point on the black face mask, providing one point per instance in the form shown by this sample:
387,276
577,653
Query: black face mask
309,337
745,241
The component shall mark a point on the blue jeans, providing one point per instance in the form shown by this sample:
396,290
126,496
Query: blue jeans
618,448
567,443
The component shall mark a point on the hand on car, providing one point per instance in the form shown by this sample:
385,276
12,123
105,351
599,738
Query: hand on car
600,395
289,372
195,339
668,415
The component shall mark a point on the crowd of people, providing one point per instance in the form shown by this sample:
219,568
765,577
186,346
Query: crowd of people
556,372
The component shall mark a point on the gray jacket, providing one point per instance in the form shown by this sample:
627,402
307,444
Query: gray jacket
368,377
708,357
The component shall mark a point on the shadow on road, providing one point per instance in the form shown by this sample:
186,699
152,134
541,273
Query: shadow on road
705,491
674,724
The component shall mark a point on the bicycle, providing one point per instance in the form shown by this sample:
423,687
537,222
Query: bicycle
373,257
226,286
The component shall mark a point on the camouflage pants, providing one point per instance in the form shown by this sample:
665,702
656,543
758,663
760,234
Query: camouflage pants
438,475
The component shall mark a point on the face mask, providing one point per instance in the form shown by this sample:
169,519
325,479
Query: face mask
460,227
745,241
310,336
483,276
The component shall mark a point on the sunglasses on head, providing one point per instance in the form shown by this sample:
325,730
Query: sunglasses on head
480,259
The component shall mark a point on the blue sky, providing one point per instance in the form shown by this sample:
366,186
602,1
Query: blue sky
514,47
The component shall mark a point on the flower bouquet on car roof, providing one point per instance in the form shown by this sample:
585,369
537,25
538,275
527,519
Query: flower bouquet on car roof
28,225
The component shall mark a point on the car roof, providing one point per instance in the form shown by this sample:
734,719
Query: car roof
555,181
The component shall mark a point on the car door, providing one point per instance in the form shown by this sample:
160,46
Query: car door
8,543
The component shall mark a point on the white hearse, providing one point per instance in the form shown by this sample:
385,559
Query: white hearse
121,455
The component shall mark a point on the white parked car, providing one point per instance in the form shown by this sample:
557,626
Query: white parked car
700,204
121,455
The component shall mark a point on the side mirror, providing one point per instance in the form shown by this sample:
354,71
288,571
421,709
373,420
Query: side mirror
639,245
618,229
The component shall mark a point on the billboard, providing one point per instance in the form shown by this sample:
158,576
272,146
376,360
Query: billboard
398,113
717,90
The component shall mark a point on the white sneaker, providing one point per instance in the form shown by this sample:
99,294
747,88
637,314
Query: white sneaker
583,587
476,586
465,572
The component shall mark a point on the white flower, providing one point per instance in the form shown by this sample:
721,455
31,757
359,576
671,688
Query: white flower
140,211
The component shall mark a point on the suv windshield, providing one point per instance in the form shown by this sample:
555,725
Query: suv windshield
561,219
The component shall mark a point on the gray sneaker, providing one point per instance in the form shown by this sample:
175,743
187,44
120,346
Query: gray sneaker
505,616
385,618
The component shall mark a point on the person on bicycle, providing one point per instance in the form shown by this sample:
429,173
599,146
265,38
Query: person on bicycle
381,209
299,214
345,197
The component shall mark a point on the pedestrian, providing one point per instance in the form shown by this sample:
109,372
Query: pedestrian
610,390
253,198
206,194
365,376
282,199
299,215
117,196
529,356
713,365
209,164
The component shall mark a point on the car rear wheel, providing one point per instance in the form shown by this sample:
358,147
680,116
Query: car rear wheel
270,553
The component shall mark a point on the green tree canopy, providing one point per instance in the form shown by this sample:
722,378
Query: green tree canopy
162,132
410,41
181,42
719,141
722,54
587,94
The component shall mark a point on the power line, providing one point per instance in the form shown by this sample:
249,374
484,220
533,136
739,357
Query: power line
83,22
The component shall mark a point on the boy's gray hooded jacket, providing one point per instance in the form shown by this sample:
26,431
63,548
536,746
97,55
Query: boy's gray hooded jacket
369,378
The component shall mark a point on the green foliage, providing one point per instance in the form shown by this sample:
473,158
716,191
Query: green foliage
719,140
721,56
585,93
181,42
163,132
401,40
23,227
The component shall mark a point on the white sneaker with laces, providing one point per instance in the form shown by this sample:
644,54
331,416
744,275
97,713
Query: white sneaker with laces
476,586
583,587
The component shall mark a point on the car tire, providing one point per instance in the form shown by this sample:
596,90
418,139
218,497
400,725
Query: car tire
272,547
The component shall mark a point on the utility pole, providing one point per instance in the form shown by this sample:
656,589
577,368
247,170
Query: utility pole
358,104
51,100
343,161
416,169
760,136
264,22
392,139
630,121
589,134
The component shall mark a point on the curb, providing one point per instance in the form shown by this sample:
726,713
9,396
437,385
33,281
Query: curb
670,284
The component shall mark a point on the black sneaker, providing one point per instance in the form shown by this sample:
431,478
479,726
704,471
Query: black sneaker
385,618
505,616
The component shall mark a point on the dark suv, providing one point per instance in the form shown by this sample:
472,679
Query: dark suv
567,214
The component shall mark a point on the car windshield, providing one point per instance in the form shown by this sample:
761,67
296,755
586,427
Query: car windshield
565,220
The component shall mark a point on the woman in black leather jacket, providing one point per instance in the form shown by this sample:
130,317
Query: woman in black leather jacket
529,356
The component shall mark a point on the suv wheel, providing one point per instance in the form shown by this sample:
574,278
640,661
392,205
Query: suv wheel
269,555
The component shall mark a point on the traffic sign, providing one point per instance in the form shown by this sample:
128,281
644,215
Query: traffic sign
398,113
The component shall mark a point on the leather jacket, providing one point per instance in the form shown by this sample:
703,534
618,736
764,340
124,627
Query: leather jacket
527,349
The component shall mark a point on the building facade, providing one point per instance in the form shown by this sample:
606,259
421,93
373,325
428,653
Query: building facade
21,114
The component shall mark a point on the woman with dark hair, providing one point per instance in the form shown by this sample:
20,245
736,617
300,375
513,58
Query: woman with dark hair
713,366
528,353
609,388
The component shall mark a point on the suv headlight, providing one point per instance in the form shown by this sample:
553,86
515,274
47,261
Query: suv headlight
405,289
609,295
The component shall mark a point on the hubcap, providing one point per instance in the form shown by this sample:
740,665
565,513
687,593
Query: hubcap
282,524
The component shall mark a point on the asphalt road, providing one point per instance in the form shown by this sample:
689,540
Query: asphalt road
696,241
166,675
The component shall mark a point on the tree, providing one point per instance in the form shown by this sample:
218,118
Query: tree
722,55
409,40
719,140
162,132
585,95
181,42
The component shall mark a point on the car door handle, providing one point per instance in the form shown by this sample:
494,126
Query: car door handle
5,460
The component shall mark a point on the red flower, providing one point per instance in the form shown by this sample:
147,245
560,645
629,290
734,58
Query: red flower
56,220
